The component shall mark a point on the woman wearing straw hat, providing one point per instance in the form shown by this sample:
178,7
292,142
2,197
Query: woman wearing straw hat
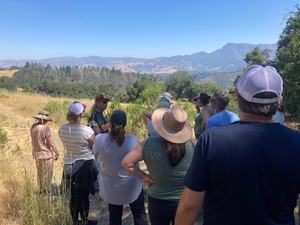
43,148
167,158
79,163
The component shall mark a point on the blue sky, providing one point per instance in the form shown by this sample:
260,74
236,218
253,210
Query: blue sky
39,29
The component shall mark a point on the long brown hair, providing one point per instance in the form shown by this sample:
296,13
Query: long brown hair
175,152
117,133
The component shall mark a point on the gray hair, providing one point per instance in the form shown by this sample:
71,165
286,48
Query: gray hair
221,98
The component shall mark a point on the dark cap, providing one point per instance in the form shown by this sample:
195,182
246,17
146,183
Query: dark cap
118,117
201,96
101,97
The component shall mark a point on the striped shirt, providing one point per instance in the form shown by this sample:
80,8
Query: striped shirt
75,141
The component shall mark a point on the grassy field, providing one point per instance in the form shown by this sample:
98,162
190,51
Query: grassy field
19,203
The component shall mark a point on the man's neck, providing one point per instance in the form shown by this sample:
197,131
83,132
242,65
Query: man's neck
247,117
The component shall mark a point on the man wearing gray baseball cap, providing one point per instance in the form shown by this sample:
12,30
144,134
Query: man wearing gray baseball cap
247,172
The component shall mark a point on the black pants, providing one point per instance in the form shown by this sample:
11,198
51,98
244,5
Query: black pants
79,203
161,212
137,208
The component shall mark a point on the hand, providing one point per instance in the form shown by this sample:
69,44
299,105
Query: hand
148,180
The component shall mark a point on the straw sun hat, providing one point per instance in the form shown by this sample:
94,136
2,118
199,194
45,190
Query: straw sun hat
44,115
172,124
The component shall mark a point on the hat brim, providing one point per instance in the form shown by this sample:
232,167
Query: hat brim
43,117
175,137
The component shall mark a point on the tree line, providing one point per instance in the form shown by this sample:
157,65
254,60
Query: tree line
86,82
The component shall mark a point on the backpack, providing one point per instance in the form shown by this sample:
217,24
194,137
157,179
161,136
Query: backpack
92,123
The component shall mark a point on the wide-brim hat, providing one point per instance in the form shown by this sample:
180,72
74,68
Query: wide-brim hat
172,124
44,115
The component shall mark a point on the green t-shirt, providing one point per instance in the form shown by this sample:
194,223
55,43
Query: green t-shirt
168,180
198,121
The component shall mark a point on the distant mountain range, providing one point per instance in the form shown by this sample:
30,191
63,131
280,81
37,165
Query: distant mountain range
230,58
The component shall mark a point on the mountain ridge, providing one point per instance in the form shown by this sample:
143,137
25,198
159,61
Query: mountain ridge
229,58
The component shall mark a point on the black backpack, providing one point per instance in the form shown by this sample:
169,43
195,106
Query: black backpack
92,123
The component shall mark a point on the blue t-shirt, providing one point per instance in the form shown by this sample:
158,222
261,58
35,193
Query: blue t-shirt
250,172
221,118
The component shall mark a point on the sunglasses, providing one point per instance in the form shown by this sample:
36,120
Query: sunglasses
104,102
211,100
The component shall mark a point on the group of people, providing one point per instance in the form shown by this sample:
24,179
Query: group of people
239,169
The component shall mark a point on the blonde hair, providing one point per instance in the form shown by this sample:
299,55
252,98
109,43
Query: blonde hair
72,117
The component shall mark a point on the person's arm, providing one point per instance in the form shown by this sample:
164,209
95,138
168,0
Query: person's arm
146,117
205,116
52,146
131,159
104,127
189,206
92,139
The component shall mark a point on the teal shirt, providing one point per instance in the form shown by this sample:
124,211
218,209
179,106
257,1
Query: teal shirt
168,180
198,120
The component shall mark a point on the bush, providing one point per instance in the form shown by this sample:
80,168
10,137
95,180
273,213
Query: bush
3,138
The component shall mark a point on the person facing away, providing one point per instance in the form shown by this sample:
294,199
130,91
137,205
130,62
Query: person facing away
43,150
219,101
97,110
202,100
164,102
118,187
279,115
247,172
167,158
80,170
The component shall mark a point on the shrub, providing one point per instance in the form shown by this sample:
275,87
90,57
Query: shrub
3,138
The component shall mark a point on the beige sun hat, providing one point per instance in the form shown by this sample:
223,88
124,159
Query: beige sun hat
44,115
172,124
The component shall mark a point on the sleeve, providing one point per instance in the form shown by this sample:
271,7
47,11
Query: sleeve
99,119
196,177
88,132
47,132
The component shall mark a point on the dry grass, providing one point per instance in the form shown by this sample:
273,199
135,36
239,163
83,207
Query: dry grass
27,105
7,73
17,168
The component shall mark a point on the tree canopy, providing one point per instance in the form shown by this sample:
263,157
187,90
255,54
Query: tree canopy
288,63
